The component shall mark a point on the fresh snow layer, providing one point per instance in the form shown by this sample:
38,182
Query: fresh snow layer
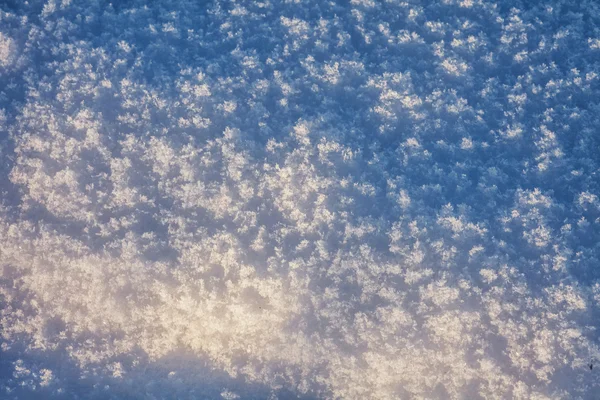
299,199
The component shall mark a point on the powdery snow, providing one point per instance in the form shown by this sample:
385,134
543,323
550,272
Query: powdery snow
299,199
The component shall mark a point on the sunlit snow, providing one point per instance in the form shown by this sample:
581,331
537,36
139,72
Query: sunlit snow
281,199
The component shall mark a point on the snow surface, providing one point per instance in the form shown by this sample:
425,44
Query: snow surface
299,199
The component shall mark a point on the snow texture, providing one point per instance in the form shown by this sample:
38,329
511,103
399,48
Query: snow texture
289,199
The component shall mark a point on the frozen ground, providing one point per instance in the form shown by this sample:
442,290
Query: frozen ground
299,199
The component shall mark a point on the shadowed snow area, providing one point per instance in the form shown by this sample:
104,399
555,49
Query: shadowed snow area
281,199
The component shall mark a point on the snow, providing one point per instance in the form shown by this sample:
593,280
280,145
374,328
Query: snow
299,199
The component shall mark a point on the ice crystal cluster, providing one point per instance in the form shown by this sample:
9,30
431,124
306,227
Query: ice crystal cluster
361,199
